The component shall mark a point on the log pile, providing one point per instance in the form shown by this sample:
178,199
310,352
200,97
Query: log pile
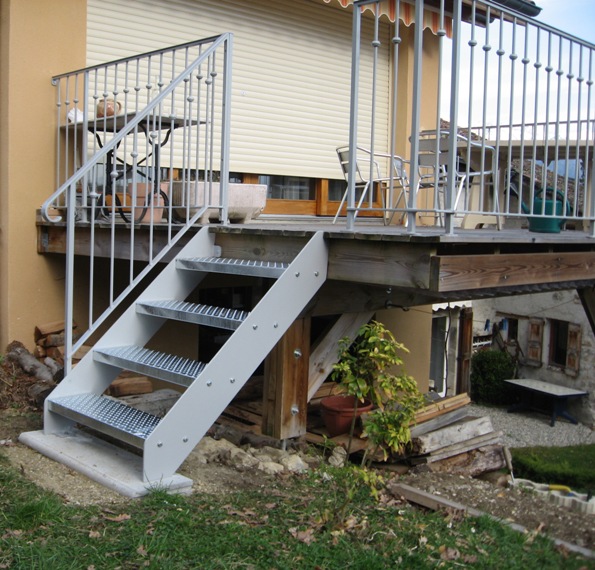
445,437
50,339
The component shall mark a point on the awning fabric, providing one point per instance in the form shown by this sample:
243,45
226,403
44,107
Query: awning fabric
388,8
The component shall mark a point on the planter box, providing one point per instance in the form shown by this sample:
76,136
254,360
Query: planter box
246,201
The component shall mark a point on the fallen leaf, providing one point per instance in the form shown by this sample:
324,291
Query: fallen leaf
141,551
448,553
94,534
305,536
118,518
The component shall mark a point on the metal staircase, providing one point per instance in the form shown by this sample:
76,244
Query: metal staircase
79,399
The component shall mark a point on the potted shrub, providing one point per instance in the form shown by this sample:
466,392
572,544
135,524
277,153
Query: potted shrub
367,372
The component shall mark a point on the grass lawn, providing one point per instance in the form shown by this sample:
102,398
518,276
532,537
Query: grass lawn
326,519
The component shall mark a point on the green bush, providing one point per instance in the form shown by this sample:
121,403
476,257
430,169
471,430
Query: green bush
489,369
568,466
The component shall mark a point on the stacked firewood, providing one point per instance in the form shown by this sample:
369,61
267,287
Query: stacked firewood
445,437
50,339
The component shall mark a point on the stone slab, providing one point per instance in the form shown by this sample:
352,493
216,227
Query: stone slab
108,465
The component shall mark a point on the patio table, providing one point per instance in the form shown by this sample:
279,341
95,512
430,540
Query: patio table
558,394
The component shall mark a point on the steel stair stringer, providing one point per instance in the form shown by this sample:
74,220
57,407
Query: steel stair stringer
183,427
90,377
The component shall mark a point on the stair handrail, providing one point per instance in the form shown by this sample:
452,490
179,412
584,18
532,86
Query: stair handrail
68,189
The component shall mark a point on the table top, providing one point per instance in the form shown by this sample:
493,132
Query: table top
116,123
546,387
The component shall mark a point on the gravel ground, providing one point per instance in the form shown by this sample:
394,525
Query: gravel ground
526,429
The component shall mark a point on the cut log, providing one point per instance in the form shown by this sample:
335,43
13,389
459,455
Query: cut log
56,369
19,354
39,391
130,386
157,403
50,328
56,339
56,352
39,352
455,433
472,463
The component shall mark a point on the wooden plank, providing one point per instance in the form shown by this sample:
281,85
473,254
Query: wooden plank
243,414
438,422
228,421
380,262
438,408
471,272
490,438
326,353
130,386
436,503
455,433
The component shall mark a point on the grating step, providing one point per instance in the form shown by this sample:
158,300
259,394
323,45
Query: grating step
107,416
219,317
250,267
175,369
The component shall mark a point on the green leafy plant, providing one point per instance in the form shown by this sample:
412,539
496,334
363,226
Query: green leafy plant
369,369
489,369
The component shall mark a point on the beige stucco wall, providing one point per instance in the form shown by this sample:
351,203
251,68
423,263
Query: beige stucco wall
413,328
38,39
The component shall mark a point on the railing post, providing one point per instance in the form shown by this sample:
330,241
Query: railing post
449,199
416,111
353,116
225,130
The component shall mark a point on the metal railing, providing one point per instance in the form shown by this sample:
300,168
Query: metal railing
142,144
503,104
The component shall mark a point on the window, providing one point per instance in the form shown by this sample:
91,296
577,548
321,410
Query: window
289,187
565,343
438,354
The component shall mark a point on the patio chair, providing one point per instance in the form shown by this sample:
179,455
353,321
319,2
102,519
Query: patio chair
369,175
433,159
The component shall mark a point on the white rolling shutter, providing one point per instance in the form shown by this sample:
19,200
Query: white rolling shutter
291,72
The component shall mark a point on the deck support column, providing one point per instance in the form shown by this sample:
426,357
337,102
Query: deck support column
286,372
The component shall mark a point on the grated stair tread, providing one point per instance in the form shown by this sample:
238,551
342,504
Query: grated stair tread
220,317
235,266
162,365
107,416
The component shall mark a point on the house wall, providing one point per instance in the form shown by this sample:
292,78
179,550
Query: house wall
413,328
38,40
559,305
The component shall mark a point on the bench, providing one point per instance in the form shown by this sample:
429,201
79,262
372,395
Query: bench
558,394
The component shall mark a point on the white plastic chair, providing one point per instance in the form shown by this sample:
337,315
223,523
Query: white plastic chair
433,159
369,174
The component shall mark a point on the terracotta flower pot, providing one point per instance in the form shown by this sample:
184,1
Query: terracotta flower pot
337,413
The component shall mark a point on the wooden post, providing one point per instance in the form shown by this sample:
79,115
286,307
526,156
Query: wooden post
286,384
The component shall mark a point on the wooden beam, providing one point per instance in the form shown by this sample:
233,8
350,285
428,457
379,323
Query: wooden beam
326,354
470,272
380,262
285,399
52,239
338,297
